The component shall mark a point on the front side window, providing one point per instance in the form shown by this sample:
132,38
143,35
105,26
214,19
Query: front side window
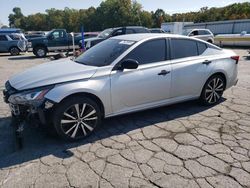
104,53
57,34
194,33
182,48
149,52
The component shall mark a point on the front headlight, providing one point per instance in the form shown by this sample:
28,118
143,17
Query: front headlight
31,97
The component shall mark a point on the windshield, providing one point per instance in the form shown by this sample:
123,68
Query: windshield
105,33
104,53
47,34
186,32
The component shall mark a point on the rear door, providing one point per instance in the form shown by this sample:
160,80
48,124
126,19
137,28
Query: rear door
190,68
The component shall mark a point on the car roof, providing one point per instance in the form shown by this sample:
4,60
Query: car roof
142,36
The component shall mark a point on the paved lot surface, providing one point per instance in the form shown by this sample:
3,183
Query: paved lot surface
184,145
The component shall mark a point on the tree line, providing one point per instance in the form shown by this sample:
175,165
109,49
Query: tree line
114,13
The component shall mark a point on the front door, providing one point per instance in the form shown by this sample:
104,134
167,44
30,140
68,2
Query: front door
58,41
146,85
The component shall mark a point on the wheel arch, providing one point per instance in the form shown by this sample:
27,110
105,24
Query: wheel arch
88,95
40,45
221,73
13,46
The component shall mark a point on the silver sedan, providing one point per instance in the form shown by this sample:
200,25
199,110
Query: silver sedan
121,75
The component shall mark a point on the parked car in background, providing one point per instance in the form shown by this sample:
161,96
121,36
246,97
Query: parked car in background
156,30
55,40
10,30
13,43
111,32
121,75
31,36
88,34
242,39
34,34
203,34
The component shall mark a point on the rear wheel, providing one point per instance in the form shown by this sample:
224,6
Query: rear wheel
14,51
213,90
76,118
40,51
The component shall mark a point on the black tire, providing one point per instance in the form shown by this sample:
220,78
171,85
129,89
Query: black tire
213,90
40,51
14,51
83,125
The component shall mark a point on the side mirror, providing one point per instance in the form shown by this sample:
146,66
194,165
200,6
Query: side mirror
50,37
128,64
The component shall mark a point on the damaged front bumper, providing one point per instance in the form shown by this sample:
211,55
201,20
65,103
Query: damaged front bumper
38,109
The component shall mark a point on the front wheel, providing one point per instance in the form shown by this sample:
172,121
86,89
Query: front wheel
76,118
213,90
40,51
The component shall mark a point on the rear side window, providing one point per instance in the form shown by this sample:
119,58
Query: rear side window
182,48
3,38
141,30
129,31
201,47
149,52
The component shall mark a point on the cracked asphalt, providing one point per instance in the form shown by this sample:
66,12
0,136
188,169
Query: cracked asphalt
183,145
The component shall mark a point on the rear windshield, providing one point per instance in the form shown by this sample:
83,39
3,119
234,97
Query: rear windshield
104,53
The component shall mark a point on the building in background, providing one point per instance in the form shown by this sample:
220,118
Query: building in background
174,27
219,27
223,27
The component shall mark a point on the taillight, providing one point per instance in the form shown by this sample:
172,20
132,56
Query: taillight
236,58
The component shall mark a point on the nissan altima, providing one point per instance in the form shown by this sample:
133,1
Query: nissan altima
120,75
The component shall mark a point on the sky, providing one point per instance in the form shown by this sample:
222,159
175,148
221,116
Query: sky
170,6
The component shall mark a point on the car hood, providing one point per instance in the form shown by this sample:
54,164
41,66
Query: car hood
51,73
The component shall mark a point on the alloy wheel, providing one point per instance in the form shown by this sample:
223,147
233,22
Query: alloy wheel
14,51
40,52
79,120
214,90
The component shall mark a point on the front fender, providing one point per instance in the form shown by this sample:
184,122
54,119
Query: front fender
98,87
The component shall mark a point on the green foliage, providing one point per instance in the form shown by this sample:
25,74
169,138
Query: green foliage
114,13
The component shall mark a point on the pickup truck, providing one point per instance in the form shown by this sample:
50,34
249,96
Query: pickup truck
55,40
111,32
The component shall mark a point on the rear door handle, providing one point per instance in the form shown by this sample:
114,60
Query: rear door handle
164,72
207,62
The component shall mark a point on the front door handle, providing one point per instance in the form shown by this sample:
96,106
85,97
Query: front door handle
164,72
207,62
